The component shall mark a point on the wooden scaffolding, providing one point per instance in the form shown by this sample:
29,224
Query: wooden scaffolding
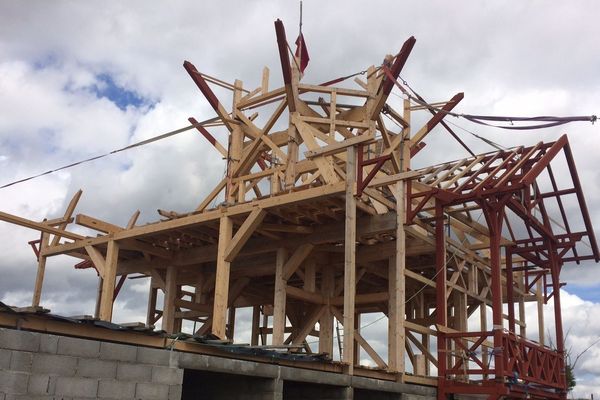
325,220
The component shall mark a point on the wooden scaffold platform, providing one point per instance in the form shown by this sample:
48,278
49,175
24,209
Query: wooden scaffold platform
325,220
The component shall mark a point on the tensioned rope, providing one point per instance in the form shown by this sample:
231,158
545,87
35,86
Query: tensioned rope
548,121
131,146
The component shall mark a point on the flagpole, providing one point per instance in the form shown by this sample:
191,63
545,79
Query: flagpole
300,38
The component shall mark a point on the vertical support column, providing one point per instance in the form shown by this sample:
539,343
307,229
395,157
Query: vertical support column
510,291
39,278
231,323
555,268
199,296
152,294
279,298
326,321
350,260
109,278
168,317
310,269
494,218
397,290
441,317
421,312
219,316
539,295
255,325
236,142
522,316
98,297
484,328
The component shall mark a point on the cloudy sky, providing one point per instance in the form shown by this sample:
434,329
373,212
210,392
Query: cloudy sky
79,79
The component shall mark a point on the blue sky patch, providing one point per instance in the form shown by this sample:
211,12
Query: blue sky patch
589,293
117,94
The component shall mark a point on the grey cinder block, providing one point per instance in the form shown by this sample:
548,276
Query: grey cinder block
21,361
151,391
19,340
117,352
175,392
94,368
116,389
48,344
53,364
78,347
134,372
166,375
147,355
5,358
76,387
13,382
41,384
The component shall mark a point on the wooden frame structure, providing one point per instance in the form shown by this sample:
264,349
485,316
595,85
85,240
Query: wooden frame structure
325,220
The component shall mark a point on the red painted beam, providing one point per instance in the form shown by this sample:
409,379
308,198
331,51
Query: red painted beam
283,52
202,85
388,84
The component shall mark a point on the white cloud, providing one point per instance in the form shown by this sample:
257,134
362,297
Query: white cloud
508,60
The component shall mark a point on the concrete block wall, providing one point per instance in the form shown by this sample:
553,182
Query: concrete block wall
37,366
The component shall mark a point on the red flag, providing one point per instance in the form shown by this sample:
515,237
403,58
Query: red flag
302,52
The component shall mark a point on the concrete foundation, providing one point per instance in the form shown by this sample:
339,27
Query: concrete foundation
38,366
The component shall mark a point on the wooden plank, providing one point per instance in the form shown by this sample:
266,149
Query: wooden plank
339,146
309,325
196,219
264,86
329,89
97,224
325,164
221,297
133,219
109,278
349,259
41,270
68,214
305,295
279,298
97,259
244,233
296,259
38,226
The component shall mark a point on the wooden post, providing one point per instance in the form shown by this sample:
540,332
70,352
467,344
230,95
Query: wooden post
279,298
441,303
255,325
422,312
357,333
310,274
236,140
109,278
539,295
152,294
397,291
350,260
168,317
326,321
98,297
231,323
39,279
219,317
